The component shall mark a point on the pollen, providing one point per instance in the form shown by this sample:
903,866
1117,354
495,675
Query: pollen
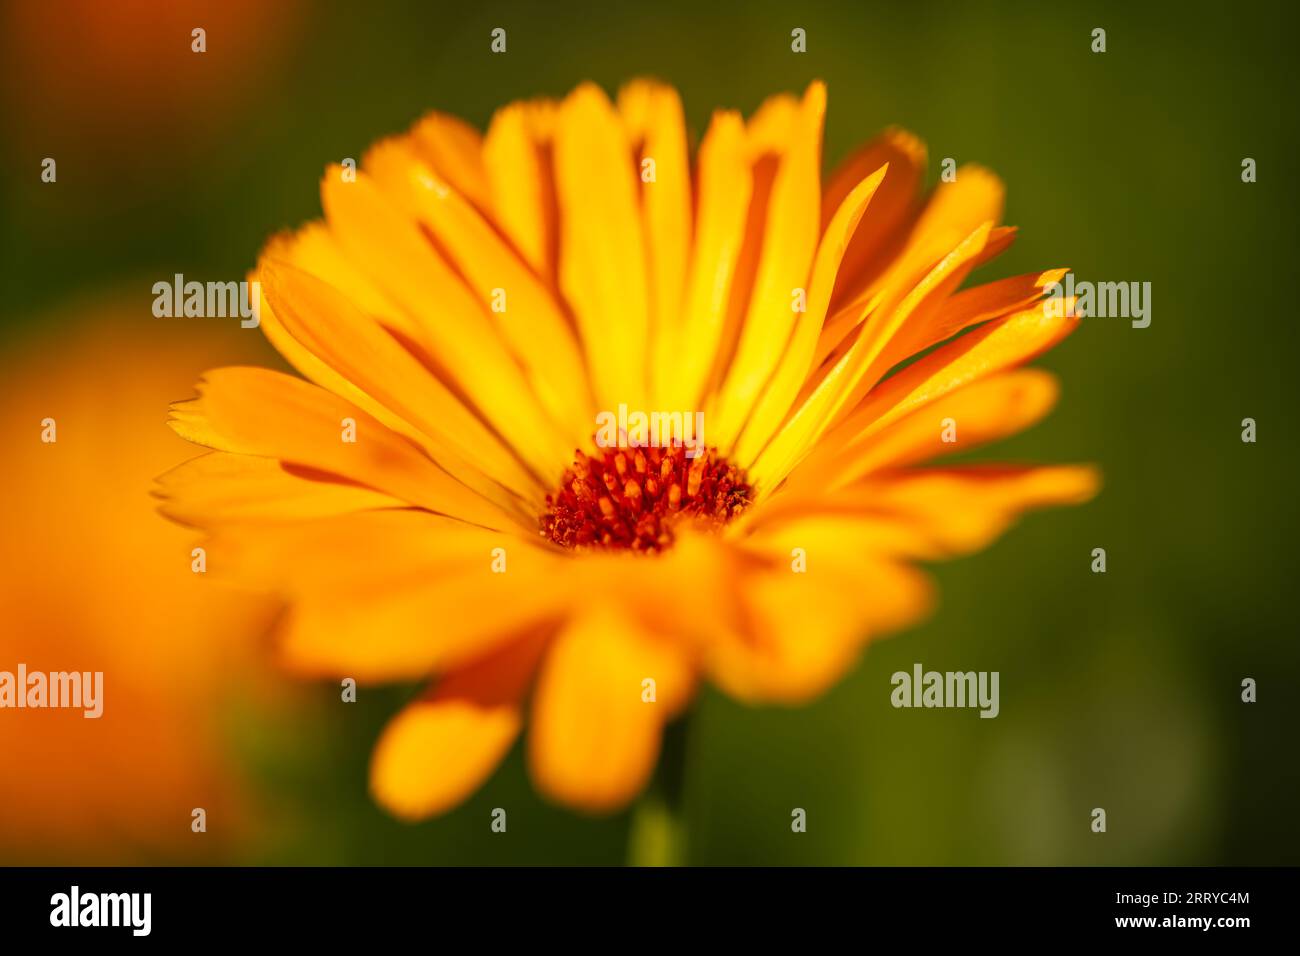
631,498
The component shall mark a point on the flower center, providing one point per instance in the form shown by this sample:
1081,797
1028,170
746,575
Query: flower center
630,498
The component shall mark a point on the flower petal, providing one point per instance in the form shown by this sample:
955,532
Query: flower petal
454,150
457,339
423,594
594,741
726,185
861,366
361,351
255,411
967,308
790,232
794,364
442,748
928,514
963,419
602,249
965,508
530,322
517,159
893,209
997,345
219,488
652,113
954,210
778,657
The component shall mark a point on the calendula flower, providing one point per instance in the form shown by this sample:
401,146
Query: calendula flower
432,499
93,581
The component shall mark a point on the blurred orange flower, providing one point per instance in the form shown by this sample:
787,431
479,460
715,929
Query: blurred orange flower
111,75
94,580
470,309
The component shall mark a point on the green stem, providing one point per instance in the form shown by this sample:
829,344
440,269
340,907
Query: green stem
658,832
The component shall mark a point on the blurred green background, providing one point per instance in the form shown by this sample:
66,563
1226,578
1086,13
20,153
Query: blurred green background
1119,690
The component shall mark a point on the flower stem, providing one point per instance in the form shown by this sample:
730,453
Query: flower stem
658,833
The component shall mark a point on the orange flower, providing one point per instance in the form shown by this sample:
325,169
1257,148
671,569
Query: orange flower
470,307
94,580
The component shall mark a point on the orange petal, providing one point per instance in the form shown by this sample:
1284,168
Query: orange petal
594,741
652,113
998,345
528,319
790,232
361,351
255,411
602,249
517,160
970,307
423,595
961,420
806,628
726,185
443,747
454,150
794,364
218,488
861,366
954,210
894,207
456,336
309,364
964,509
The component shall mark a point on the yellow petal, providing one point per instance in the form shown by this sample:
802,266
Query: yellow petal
790,241
849,511
770,128
602,250
217,488
879,238
959,421
923,514
314,249
529,321
593,741
315,370
998,345
1000,240
954,210
457,337
454,150
424,594
443,747
517,160
793,366
861,367
652,113
696,577
964,509
726,185
358,349
255,411
807,628
968,308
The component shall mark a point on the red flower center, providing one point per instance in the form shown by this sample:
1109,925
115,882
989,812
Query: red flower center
630,498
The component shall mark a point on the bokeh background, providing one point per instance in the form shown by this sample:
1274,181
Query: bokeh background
1119,690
